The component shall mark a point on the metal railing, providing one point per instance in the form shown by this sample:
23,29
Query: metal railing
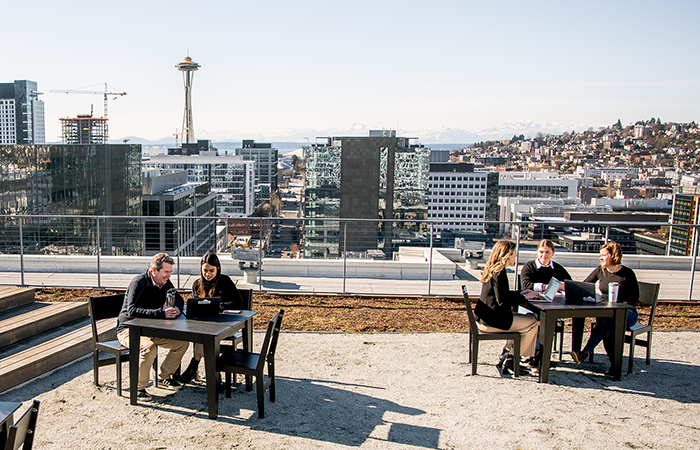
332,238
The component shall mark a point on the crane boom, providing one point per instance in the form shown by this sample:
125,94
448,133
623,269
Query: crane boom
104,93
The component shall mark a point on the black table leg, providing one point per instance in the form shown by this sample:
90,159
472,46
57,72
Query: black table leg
134,346
211,352
620,325
248,347
549,321
577,324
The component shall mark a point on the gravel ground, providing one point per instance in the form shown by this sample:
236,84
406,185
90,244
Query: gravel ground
388,391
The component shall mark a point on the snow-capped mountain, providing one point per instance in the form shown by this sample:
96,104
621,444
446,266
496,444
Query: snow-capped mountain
441,135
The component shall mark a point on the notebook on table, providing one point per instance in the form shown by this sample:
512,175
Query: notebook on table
202,307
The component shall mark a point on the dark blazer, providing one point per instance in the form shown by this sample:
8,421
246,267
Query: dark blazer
530,274
144,299
494,307
227,290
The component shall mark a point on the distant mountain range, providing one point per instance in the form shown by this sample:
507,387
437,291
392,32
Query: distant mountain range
436,137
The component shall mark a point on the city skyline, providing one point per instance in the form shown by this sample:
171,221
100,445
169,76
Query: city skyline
276,67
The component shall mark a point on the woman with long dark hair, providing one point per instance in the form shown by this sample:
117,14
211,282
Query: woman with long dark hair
494,309
211,283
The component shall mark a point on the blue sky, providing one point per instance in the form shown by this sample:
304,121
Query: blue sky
276,65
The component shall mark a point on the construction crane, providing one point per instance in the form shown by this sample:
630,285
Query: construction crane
105,94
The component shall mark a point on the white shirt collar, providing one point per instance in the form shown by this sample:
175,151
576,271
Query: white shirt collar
539,265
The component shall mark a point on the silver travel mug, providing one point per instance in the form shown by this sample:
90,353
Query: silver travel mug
613,290
170,299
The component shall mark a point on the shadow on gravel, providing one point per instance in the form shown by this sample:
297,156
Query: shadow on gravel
662,379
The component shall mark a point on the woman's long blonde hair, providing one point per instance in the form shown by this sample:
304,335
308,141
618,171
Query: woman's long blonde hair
498,260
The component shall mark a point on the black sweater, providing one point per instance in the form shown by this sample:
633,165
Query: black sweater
227,290
530,274
629,287
494,307
144,299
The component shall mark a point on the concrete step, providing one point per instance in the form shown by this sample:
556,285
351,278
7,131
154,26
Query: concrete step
40,354
13,297
30,320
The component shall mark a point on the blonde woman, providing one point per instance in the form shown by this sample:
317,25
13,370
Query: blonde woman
494,309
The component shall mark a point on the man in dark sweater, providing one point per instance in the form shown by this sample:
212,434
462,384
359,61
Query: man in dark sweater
146,296
536,274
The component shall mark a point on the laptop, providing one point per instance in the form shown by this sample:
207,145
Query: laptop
551,291
202,307
581,291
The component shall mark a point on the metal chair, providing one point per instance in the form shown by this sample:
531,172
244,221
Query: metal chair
104,308
253,364
21,434
648,295
247,296
476,335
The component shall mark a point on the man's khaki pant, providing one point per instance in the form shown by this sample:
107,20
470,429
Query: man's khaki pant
148,351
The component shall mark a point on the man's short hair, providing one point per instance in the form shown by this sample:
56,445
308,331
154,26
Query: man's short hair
160,258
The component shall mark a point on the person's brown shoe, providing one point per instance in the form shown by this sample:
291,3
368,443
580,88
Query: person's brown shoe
579,357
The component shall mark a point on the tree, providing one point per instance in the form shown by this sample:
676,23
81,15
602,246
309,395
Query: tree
618,124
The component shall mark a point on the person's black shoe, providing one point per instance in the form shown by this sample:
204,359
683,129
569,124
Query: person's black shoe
190,373
171,384
579,357
508,367
143,396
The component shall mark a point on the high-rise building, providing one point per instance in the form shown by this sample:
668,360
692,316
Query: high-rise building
84,129
266,173
375,177
170,194
54,180
21,113
686,211
230,177
458,194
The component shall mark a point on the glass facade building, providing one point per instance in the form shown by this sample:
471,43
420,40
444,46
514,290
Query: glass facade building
375,177
266,172
72,180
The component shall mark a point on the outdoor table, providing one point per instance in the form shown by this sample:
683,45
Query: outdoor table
208,331
7,410
560,308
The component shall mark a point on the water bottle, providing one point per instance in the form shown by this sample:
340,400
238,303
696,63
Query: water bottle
613,290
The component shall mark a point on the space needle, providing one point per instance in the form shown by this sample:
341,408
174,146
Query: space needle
188,67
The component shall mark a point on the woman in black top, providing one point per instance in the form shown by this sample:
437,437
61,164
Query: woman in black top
494,308
610,270
211,283
537,274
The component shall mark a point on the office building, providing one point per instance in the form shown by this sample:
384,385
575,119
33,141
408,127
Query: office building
380,176
53,180
21,113
230,177
536,185
686,211
169,194
458,194
266,171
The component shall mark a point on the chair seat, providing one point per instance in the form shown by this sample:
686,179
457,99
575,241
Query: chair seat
111,346
639,328
231,361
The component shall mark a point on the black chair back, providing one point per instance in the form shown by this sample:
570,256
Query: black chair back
105,307
21,434
267,351
472,320
247,296
648,295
